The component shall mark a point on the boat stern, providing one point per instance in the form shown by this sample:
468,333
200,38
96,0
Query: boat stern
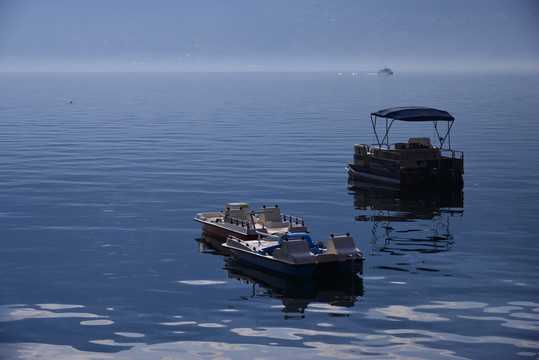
342,255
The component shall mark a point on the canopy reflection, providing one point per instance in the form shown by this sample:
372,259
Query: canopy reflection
408,220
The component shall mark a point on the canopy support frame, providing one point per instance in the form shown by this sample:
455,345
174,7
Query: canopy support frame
388,125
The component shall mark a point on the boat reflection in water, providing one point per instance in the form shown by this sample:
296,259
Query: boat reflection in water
295,294
408,220
209,244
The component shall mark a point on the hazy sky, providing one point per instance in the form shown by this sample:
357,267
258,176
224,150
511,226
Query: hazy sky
264,35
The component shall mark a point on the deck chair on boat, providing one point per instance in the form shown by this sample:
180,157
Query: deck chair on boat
294,251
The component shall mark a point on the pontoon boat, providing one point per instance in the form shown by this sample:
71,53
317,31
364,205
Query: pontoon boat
415,162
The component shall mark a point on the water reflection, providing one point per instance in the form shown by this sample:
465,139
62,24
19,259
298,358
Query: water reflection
404,335
296,295
408,220
339,292
211,245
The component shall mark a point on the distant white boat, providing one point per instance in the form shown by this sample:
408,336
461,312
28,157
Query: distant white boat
385,71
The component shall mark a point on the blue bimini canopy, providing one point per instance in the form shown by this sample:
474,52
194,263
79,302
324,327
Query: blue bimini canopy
414,113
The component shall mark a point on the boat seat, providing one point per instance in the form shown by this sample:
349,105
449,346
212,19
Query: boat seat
238,214
294,251
271,217
420,143
237,210
400,145
342,246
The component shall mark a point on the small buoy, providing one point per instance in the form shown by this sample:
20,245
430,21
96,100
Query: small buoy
71,102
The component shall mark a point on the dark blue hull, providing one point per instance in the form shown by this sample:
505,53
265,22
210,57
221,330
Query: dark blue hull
350,267
304,271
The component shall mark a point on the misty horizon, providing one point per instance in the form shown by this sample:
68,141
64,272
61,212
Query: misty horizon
240,35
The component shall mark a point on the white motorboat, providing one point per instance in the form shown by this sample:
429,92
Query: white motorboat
385,71
239,220
296,255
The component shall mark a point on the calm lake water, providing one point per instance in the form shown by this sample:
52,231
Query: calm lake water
101,176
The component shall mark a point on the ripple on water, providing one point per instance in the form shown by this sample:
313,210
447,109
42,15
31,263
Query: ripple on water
201,282
130,334
21,312
97,322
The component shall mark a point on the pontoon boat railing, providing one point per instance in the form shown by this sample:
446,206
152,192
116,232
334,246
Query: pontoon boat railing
454,153
248,225
293,219
236,221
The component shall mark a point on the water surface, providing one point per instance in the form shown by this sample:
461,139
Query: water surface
102,175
